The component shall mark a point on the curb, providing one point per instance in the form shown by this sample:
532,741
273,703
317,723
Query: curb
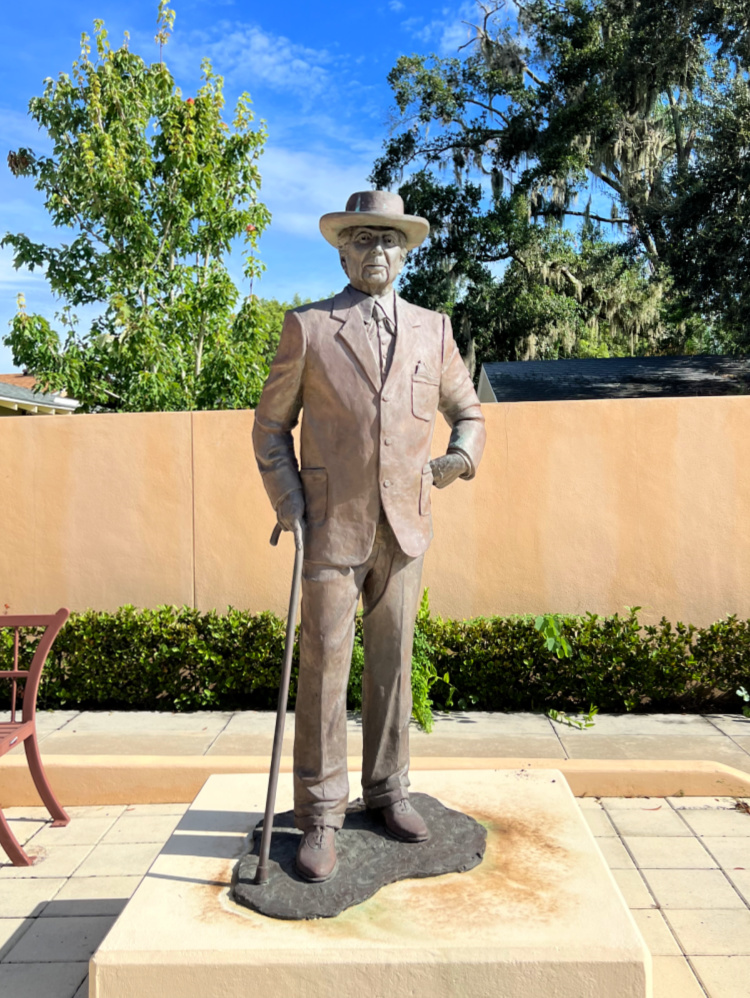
140,779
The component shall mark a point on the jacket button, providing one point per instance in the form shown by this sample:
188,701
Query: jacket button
386,483
387,441
384,398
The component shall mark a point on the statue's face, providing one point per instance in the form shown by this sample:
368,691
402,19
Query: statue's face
372,259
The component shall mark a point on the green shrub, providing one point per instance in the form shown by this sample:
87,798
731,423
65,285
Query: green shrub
181,659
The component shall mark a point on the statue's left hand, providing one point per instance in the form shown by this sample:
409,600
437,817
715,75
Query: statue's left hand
447,469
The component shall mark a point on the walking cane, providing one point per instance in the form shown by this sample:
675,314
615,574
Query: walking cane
261,873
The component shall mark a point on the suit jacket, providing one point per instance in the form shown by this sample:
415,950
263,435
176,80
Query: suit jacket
363,445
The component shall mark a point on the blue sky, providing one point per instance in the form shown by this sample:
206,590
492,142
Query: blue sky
316,73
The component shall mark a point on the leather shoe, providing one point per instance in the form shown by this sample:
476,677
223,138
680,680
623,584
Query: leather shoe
404,823
316,856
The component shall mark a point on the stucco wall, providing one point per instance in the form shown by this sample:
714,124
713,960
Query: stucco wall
577,506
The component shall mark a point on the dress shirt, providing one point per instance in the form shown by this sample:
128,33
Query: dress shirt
379,316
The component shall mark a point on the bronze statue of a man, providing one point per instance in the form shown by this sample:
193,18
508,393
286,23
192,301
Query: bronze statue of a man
369,372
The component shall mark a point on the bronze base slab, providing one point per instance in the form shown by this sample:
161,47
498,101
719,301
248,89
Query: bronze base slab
368,860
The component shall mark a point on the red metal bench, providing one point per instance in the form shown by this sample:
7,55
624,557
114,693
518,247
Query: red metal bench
13,732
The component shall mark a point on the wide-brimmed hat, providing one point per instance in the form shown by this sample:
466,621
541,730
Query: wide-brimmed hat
380,209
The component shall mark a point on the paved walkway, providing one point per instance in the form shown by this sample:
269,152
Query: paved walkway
683,864
721,738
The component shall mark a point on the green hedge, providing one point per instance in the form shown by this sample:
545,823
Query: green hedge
181,659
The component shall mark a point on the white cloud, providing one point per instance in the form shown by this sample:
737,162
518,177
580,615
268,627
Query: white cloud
20,130
299,187
395,5
247,54
447,32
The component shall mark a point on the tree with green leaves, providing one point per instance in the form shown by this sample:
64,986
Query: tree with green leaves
563,113
153,188
709,223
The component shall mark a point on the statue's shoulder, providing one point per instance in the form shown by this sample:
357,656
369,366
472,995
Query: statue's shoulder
423,316
312,308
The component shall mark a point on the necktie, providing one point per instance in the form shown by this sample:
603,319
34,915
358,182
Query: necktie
384,338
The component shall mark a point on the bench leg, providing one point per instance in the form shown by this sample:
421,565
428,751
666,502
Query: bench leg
59,816
10,844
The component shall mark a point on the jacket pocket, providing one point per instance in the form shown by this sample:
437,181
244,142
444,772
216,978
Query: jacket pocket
425,491
425,391
315,485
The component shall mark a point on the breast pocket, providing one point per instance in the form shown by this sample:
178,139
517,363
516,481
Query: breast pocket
315,485
425,392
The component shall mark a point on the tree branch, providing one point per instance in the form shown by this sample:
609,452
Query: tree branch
583,214
677,128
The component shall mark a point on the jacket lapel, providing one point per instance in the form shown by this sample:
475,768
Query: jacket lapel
407,320
354,335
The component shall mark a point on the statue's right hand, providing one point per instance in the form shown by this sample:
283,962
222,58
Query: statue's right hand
291,515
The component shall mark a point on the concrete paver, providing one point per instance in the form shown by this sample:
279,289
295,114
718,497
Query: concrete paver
95,810
49,861
673,978
146,828
632,804
730,724
144,722
719,823
692,889
151,810
711,932
115,743
702,803
74,938
43,980
92,896
658,725
650,821
656,933
713,748
599,823
668,853
11,930
633,888
729,851
137,733
27,898
49,721
80,832
740,880
119,860
615,853
726,976
26,828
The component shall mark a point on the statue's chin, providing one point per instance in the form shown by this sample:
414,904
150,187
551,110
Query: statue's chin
374,288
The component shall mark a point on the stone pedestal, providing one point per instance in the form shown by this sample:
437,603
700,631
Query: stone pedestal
541,915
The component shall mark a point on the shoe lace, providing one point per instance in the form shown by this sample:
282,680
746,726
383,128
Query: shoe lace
316,836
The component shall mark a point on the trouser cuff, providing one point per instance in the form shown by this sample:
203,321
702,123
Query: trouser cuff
385,798
328,819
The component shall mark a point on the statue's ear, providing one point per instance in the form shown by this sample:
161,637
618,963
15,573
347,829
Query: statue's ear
342,260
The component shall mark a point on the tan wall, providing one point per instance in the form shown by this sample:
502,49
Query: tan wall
577,506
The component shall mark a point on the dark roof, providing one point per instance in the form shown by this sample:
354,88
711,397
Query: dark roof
22,380
618,377
25,398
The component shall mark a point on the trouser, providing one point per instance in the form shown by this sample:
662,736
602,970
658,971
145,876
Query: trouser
389,583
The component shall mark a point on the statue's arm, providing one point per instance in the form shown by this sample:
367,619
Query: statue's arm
277,413
460,405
